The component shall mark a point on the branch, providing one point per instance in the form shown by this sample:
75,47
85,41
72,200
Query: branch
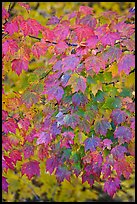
133,70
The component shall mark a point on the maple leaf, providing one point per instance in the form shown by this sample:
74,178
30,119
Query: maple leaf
71,120
11,27
42,152
10,46
123,167
51,164
107,143
89,21
118,152
123,134
26,6
16,156
91,143
61,47
88,178
76,99
44,137
4,184
58,66
55,92
95,63
28,151
24,123
39,48
111,186
61,31
62,173
29,98
83,32
125,29
19,64
9,162
112,54
77,83
110,38
5,14
53,20
4,115
31,169
92,42
126,62
86,10
70,63
9,126
101,127
118,116
106,170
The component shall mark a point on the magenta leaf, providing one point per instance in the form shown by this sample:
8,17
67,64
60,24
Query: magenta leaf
89,21
44,138
16,156
118,152
70,63
91,143
53,20
9,46
111,186
123,134
106,170
126,63
9,126
31,169
4,114
62,173
11,27
30,27
118,116
110,38
94,63
4,184
39,49
5,14
86,10
107,143
92,42
19,64
101,127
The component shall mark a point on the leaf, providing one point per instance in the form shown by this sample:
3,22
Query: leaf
9,126
86,10
123,134
118,116
92,143
77,83
55,92
123,167
39,48
24,124
10,46
107,143
76,99
125,63
26,6
5,14
11,27
111,186
51,164
89,21
110,38
19,64
53,20
29,98
118,152
92,42
61,47
70,63
43,138
4,184
94,63
61,31
16,156
62,173
101,127
112,54
88,178
83,32
106,170
31,169
4,114
28,151
71,120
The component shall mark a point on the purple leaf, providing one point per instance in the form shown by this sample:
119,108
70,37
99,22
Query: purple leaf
101,127
126,63
110,38
123,134
118,152
76,99
31,169
91,143
111,186
95,63
62,173
44,137
118,116
107,143
53,20
92,42
112,54
51,164
70,63
106,170
4,184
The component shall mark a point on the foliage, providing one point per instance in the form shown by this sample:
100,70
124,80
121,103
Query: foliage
68,107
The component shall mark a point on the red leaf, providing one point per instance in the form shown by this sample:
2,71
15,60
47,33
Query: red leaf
31,169
9,46
11,27
118,116
4,184
9,126
123,167
95,63
16,156
30,27
19,64
123,134
9,162
111,186
39,49
126,63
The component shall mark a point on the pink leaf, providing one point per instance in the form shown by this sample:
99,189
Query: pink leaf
126,63
31,169
24,124
110,38
106,170
5,14
39,49
19,64
61,47
92,42
26,6
9,126
9,46
89,21
28,151
81,84
86,10
4,114
123,134
53,20
112,54
83,32
11,27
44,138
123,167
51,164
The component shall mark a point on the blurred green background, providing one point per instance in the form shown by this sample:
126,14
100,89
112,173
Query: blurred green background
46,187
